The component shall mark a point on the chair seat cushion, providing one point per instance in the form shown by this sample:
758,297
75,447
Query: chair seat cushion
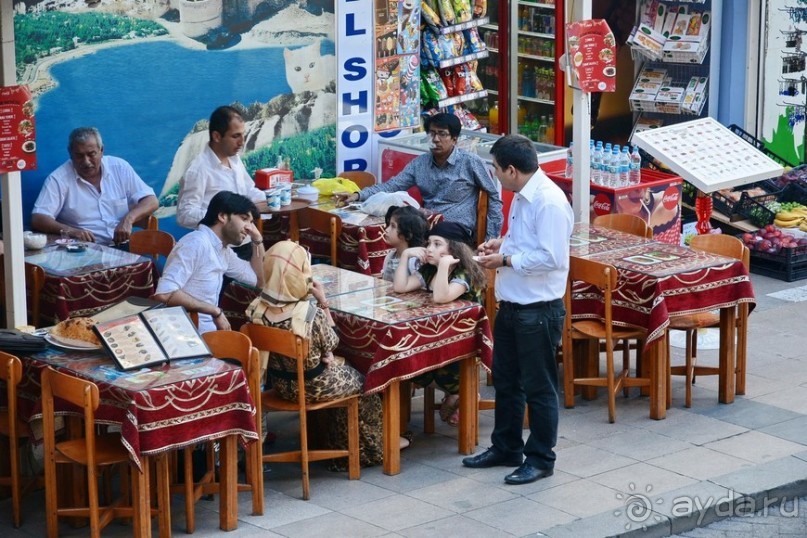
590,328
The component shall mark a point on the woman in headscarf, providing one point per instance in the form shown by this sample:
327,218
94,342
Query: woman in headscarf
283,303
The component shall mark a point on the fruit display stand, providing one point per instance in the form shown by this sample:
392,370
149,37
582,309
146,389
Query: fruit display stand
786,261
710,157
656,199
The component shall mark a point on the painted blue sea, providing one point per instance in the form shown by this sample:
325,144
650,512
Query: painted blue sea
144,98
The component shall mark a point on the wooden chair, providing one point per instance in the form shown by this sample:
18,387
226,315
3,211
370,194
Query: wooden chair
624,222
34,283
603,277
237,346
362,178
286,343
14,429
92,451
149,222
731,247
324,223
152,243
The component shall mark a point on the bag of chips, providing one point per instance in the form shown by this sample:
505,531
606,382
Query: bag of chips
480,8
473,43
446,11
447,76
461,86
430,16
474,84
435,86
462,10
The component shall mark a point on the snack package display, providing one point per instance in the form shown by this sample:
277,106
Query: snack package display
434,85
480,8
473,43
467,119
461,83
475,85
430,49
447,75
462,10
446,11
459,43
430,17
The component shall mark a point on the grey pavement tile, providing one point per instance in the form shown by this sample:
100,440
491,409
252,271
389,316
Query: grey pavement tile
757,385
793,430
585,461
801,455
691,427
280,509
639,444
788,372
454,526
756,446
461,495
495,477
685,508
784,477
414,475
333,524
612,523
397,512
699,463
789,398
520,516
337,494
747,413
643,477
582,498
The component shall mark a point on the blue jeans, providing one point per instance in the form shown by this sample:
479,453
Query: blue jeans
525,370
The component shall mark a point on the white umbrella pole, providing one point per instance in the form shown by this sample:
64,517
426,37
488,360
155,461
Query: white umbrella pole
581,130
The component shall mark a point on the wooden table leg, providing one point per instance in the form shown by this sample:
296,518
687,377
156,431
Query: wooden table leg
392,428
141,499
658,378
742,347
163,494
728,323
228,483
588,361
294,227
469,388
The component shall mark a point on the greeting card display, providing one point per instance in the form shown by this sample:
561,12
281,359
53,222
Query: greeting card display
592,55
151,337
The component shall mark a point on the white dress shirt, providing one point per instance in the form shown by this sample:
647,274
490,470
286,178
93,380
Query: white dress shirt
196,265
74,201
537,241
206,177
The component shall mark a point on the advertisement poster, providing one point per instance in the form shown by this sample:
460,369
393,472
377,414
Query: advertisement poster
397,65
17,130
592,53
148,75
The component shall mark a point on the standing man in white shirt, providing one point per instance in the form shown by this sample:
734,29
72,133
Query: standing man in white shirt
218,168
532,264
192,276
92,197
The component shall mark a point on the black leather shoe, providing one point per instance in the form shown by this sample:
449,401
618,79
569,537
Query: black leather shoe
526,473
490,458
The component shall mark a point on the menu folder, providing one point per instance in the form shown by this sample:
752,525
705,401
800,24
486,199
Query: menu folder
151,337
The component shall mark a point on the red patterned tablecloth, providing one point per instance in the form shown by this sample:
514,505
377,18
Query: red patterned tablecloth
361,246
81,284
159,408
657,280
389,336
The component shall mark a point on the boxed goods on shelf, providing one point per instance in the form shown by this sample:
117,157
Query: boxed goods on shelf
657,199
787,263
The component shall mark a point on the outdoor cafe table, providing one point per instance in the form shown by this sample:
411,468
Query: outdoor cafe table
659,280
82,283
159,409
361,245
392,337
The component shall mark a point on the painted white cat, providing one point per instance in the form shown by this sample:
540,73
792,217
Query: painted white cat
307,70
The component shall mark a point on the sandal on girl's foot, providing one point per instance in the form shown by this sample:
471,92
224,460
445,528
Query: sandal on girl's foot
449,409
406,439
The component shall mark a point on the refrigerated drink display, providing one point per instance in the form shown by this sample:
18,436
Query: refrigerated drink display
492,73
536,83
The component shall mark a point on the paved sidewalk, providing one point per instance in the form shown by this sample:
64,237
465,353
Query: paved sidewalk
674,476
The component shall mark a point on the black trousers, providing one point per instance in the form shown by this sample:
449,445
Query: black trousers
525,370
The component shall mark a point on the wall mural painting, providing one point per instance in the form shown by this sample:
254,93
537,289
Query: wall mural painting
148,75
785,78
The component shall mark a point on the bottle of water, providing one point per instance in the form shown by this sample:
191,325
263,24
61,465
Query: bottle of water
613,168
635,176
569,161
596,164
624,167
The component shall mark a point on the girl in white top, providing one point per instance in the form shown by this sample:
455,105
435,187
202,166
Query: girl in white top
406,227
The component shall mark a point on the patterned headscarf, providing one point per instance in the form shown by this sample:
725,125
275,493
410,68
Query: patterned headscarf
287,268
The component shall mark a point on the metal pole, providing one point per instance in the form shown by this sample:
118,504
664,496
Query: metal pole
581,132
13,266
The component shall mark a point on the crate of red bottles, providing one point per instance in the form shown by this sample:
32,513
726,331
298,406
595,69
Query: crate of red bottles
777,253
656,199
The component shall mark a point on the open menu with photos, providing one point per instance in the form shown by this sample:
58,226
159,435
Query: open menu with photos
151,337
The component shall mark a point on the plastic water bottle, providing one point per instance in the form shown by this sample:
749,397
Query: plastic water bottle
613,168
569,161
635,176
596,164
624,167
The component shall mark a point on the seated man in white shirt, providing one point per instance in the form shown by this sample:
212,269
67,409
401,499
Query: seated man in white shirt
193,272
218,168
92,197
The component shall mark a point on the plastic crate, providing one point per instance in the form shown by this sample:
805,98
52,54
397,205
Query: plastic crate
759,144
788,264
741,208
794,192
755,211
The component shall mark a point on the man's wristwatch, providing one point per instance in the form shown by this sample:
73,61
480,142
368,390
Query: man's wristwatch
504,260
219,314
